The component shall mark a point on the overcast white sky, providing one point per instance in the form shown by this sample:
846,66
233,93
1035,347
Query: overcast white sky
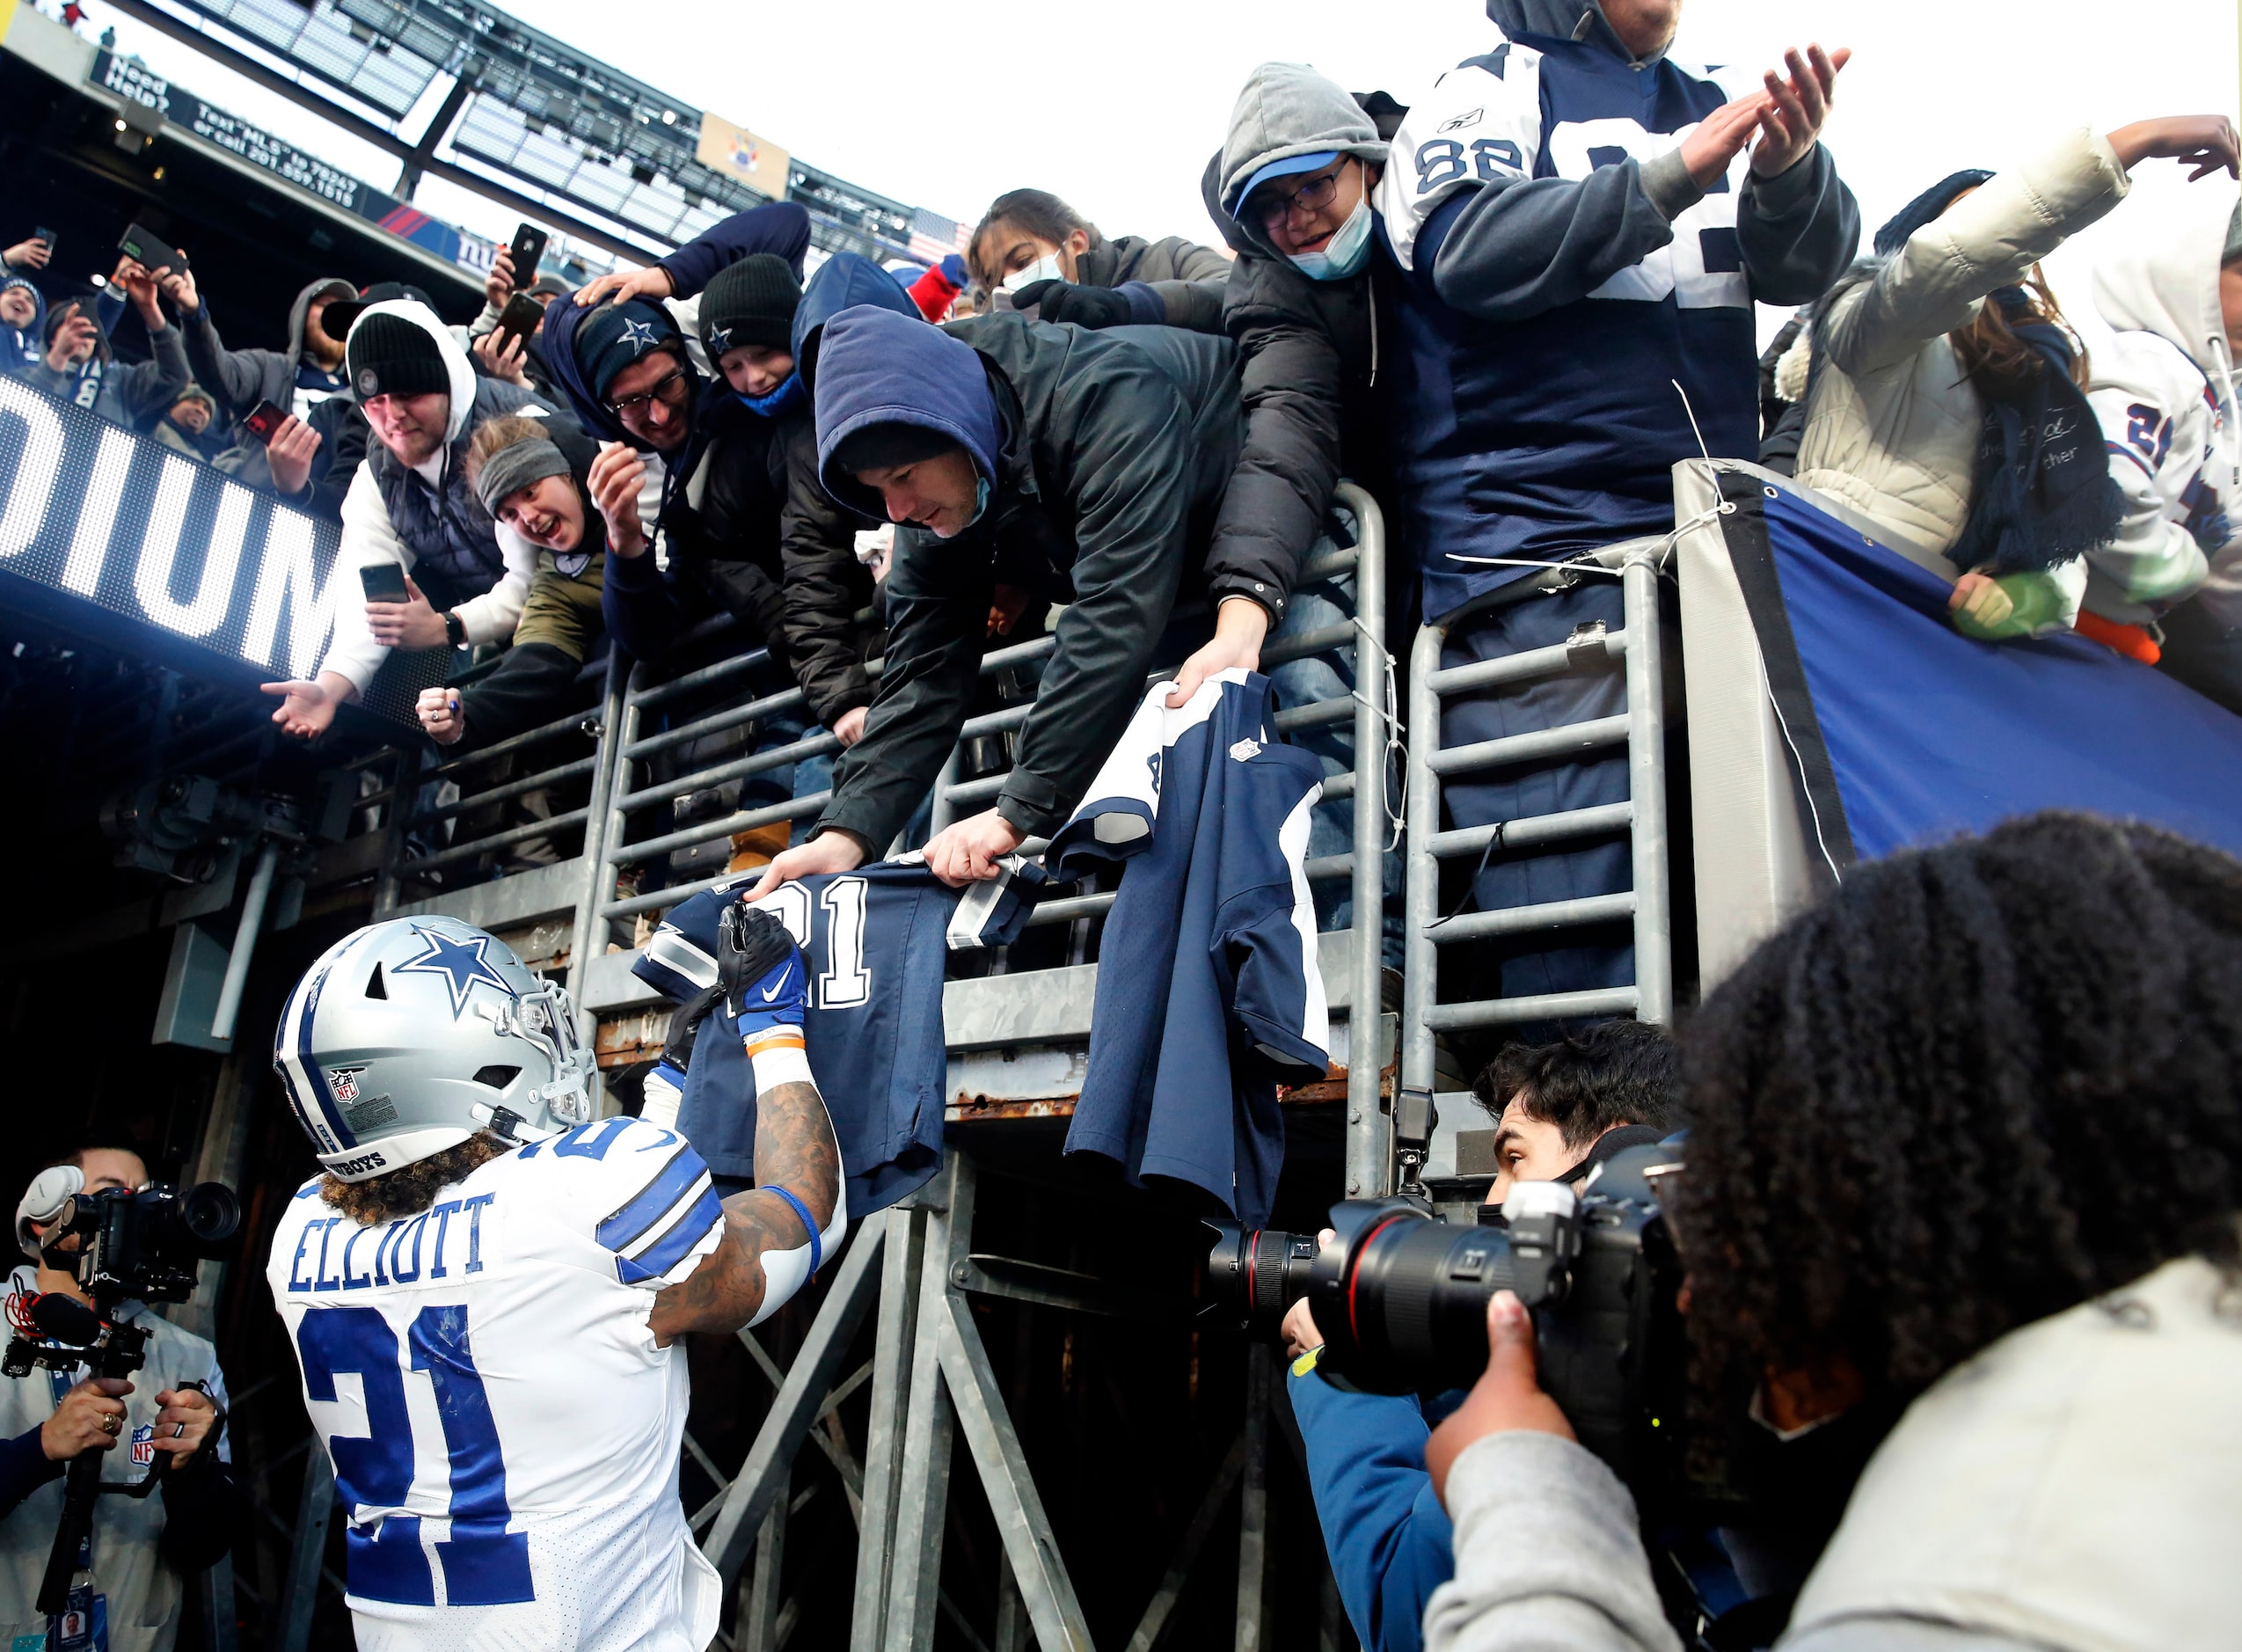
1117,108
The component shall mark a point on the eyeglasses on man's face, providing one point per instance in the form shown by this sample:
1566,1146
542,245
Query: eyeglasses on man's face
1311,197
668,388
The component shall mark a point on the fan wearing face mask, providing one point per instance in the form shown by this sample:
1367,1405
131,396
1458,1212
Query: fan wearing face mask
1291,191
1047,259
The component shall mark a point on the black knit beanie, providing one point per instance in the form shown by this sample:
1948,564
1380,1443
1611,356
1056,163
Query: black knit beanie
390,355
751,301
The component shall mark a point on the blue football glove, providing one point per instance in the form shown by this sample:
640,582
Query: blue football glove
760,969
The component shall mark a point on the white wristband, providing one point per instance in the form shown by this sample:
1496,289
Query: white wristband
779,1064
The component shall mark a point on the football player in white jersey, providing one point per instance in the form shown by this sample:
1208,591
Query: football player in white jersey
485,1285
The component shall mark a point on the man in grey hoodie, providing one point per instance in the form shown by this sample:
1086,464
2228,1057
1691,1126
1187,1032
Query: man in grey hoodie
295,379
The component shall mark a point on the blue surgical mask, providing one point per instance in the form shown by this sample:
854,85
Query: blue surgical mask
1344,253
980,500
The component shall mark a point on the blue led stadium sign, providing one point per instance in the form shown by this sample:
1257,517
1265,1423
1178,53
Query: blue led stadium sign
95,514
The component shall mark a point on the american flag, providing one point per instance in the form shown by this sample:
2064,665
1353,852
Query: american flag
934,237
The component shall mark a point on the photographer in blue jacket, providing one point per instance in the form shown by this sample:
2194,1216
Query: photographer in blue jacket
1559,1109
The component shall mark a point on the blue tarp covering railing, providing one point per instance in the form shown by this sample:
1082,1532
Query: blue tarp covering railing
1906,732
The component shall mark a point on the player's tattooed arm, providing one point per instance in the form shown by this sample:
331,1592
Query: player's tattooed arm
795,1150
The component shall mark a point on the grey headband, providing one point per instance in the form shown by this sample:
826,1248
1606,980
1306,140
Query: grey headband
514,468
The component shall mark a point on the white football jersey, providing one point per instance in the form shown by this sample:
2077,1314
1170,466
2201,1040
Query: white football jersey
504,1430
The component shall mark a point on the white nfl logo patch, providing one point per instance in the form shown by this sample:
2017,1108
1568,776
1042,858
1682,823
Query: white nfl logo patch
1245,751
345,1080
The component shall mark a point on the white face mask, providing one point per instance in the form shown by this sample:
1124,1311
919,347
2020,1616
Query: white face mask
1044,269
1344,253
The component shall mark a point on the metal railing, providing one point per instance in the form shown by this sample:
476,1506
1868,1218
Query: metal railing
1641,729
566,750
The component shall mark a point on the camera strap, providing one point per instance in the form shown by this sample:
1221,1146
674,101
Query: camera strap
1617,1139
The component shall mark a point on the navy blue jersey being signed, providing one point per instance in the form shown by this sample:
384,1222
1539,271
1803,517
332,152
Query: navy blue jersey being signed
874,940
1207,983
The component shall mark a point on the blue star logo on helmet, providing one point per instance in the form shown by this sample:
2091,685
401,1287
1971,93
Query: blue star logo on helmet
638,334
460,962
719,339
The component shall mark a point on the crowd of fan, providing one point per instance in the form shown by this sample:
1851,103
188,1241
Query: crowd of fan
1490,329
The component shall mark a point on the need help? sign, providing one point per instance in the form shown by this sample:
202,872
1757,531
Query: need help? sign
91,511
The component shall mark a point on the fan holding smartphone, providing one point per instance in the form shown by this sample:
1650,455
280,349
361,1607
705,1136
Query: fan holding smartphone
516,297
434,571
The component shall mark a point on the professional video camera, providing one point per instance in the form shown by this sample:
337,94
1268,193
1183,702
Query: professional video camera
1401,1298
134,1245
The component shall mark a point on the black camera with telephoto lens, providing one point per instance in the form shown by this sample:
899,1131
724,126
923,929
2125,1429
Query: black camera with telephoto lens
1401,1298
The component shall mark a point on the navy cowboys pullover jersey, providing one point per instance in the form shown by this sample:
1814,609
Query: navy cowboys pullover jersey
1561,273
1208,981
874,940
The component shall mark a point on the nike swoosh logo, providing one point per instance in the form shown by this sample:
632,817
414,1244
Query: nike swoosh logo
774,992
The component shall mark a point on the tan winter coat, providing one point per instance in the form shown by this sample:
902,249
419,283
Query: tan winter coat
1893,424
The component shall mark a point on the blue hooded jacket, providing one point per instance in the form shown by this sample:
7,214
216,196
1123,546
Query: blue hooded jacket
883,367
844,282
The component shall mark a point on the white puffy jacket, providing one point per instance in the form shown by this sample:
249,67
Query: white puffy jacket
2163,390
1893,425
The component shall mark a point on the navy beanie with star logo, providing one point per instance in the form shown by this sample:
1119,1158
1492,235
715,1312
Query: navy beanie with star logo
613,336
751,301
392,354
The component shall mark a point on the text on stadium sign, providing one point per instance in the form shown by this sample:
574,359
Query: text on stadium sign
93,511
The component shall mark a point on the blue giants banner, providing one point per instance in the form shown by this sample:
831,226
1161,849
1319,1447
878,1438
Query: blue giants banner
1906,732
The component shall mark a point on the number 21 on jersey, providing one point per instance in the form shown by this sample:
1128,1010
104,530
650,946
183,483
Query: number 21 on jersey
484,1564
844,984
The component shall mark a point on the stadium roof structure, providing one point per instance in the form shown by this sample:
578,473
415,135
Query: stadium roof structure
524,117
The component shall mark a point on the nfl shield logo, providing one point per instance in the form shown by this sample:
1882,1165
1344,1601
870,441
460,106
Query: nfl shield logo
143,1444
345,1082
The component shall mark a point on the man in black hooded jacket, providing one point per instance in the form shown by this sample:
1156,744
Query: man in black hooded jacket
1076,467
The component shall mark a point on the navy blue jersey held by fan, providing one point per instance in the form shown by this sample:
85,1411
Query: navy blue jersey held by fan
874,940
1209,989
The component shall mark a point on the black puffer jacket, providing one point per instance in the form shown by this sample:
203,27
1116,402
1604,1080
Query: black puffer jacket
1108,453
1307,357
453,540
826,586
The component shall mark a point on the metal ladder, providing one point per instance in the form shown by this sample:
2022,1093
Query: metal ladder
1641,728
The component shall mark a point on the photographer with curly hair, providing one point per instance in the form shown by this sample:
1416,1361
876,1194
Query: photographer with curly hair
1966,1137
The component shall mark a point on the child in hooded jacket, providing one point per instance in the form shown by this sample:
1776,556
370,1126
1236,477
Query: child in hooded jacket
2169,589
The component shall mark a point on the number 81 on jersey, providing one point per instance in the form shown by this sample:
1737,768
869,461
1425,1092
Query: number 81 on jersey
844,983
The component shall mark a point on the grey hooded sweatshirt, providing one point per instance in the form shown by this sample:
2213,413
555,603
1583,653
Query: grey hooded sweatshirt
242,378
1306,349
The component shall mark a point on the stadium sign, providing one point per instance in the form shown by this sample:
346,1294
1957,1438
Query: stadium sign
131,79
96,516
126,77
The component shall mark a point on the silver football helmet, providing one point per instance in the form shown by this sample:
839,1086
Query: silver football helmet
412,1036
